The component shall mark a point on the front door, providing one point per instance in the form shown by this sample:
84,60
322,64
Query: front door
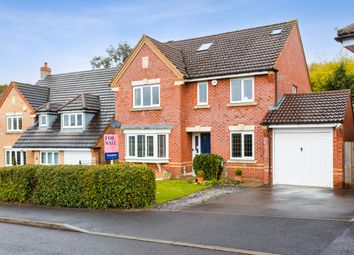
200,143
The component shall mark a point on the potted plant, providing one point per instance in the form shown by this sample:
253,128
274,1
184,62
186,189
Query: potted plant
167,174
200,176
238,175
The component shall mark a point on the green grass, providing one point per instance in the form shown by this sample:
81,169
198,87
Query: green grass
168,190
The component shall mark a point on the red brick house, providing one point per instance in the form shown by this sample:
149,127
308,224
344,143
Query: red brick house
208,94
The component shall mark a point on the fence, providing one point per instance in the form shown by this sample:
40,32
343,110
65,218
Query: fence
349,165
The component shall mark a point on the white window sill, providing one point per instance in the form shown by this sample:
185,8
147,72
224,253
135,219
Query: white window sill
242,161
201,106
14,132
241,104
153,108
147,160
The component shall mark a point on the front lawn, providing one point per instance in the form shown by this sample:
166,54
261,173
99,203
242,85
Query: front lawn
167,190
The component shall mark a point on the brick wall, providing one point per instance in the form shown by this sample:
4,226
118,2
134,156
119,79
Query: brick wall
13,103
292,66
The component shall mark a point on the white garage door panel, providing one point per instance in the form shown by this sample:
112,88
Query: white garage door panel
74,157
303,157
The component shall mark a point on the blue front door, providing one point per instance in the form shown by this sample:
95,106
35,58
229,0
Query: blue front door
205,143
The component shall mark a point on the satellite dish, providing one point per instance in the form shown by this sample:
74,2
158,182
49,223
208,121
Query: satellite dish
115,124
214,82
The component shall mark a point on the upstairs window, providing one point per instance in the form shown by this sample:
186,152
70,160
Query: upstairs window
205,46
14,123
294,89
146,96
73,120
202,93
43,121
242,90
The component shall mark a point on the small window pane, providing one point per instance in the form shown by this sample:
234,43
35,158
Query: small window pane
43,120
248,145
137,96
79,120
156,95
147,96
141,146
161,146
14,122
236,146
43,158
18,158
72,120
9,123
56,158
24,158
132,146
66,120
236,90
202,92
50,158
149,146
8,158
248,90
13,157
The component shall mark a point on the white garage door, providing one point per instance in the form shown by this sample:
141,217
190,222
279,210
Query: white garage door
303,157
75,157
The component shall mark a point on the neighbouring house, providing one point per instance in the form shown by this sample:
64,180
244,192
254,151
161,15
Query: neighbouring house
346,37
59,120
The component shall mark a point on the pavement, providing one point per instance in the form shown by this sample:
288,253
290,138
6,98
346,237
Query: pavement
279,220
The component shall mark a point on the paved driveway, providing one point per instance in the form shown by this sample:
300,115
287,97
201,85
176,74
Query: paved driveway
284,201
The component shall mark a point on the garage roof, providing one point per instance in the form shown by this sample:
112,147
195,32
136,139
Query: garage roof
309,108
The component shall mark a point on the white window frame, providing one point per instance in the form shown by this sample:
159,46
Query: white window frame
294,89
12,117
76,117
198,93
46,157
243,100
142,96
16,151
146,159
243,133
41,120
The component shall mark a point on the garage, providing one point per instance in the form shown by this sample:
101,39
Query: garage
77,157
303,156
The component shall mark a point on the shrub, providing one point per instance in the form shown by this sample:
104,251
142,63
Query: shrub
211,164
16,183
201,173
238,172
119,185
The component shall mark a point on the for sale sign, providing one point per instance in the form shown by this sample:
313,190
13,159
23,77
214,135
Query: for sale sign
111,147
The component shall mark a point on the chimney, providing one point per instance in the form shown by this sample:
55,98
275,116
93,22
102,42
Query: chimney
45,70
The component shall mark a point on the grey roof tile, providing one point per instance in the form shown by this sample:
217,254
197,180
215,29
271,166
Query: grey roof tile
36,96
82,102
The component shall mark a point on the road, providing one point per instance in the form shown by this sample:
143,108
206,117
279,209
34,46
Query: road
17,239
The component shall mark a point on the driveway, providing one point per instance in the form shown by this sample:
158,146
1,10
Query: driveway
284,201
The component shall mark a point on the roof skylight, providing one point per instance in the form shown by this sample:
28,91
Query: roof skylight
205,46
276,31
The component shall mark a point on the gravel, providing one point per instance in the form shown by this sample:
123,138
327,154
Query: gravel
199,197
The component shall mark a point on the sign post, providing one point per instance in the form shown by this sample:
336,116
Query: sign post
111,147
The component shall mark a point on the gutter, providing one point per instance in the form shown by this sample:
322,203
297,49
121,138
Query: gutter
226,76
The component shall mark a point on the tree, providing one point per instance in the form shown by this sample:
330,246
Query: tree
115,58
332,75
3,88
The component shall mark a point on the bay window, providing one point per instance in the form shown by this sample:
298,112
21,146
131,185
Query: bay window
146,96
242,145
148,147
242,90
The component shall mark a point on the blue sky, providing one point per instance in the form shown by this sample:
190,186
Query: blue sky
67,34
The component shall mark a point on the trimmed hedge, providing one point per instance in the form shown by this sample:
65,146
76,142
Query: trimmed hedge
16,183
211,164
120,186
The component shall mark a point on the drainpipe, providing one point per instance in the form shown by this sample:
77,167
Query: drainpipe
276,86
269,161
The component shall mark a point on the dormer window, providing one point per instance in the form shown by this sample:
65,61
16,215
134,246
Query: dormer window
43,120
204,46
73,120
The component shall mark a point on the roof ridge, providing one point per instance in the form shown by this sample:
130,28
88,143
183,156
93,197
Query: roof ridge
318,92
229,32
82,71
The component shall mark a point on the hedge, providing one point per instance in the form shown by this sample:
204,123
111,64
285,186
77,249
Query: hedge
119,186
16,183
211,164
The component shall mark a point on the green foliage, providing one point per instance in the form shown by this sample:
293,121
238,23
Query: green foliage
115,58
118,186
238,172
201,173
332,75
211,164
16,183
3,88
14,163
